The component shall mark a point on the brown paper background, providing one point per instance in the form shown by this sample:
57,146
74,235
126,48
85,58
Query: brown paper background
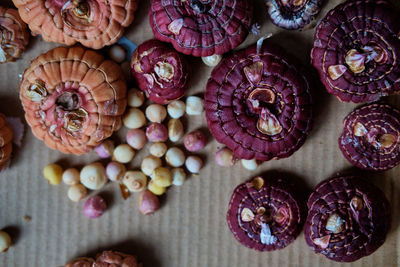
190,228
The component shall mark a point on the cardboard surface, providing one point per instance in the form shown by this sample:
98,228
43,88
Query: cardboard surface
190,228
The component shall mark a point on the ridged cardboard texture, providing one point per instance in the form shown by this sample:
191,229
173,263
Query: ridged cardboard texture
190,229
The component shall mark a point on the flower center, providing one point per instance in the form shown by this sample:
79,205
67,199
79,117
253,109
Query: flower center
359,59
374,137
335,224
198,6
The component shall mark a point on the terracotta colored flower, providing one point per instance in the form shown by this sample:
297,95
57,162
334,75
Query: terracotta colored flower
81,262
258,103
356,50
73,98
266,213
201,27
93,23
348,218
14,35
6,136
293,14
161,72
371,137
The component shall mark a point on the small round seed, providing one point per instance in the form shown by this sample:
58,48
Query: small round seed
175,157
5,241
212,60
135,98
156,113
70,176
250,164
135,181
148,202
136,138
178,176
53,174
158,149
93,176
224,157
195,141
94,206
175,130
149,163
193,164
117,53
162,177
115,171
105,149
134,118
157,132
155,189
77,192
176,109
194,105
123,153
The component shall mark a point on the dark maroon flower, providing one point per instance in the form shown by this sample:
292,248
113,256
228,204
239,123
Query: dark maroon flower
266,213
348,218
293,14
201,27
161,72
356,50
258,103
371,137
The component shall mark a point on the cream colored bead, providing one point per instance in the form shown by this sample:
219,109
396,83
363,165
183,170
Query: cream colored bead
178,176
193,164
93,176
194,105
155,189
250,164
77,192
123,153
149,163
176,109
135,181
162,177
156,113
117,53
135,98
5,241
70,176
212,60
115,171
158,149
175,130
175,157
134,118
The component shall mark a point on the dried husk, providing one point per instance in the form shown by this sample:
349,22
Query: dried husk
60,21
81,101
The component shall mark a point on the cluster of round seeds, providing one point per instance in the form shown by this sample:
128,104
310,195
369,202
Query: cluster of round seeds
91,177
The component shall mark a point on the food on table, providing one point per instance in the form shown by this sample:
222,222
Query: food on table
93,23
14,36
371,137
73,98
148,203
195,141
348,218
106,259
94,206
356,50
201,28
160,71
258,103
266,213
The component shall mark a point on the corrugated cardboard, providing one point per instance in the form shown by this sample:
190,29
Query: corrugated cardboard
190,229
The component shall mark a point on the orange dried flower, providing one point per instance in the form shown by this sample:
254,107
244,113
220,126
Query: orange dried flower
14,35
93,23
6,136
73,98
